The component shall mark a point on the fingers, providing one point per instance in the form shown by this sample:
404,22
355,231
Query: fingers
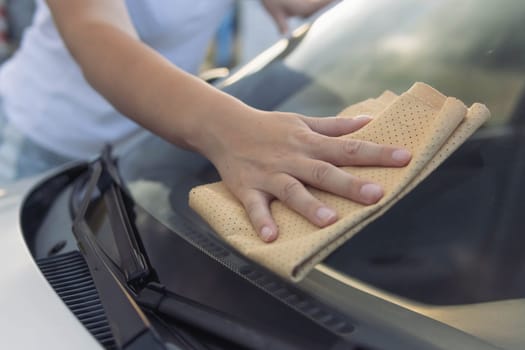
278,14
329,178
344,152
315,6
257,206
282,22
295,196
280,10
347,151
336,126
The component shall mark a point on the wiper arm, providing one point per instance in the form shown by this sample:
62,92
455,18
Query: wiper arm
128,323
134,267
132,262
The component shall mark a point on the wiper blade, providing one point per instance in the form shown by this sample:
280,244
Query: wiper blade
129,325
134,268
131,260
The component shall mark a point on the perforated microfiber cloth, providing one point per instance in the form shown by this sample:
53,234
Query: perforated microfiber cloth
422,120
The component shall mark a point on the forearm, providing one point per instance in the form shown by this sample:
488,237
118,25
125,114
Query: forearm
147,88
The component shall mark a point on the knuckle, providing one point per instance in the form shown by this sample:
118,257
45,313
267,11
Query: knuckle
352,147
289,190
320,173
315,123
308,138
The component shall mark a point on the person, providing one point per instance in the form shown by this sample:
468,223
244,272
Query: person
85,64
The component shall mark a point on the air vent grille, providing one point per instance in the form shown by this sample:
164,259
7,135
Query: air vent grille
69,276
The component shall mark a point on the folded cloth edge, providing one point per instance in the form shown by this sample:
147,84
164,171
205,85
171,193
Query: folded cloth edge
477,114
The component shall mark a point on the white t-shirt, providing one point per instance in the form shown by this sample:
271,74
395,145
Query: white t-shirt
45,95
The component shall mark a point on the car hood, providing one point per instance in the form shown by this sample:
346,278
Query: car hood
33,316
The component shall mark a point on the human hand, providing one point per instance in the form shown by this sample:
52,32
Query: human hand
280,10
270,155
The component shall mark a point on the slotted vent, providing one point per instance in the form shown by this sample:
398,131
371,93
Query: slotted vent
69,276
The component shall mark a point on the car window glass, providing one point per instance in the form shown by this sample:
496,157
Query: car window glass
475,55
458,227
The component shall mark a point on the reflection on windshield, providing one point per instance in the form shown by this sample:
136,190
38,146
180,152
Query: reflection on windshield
474,50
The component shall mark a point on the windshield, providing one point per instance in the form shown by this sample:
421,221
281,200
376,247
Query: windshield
474,50
454,239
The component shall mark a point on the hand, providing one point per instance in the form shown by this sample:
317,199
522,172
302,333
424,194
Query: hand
272,155
259,155
280,10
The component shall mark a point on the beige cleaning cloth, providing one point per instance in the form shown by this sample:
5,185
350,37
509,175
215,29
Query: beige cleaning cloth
422,120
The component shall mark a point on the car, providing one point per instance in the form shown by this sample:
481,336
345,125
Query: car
108,254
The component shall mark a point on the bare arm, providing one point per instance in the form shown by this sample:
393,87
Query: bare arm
138,81
259,155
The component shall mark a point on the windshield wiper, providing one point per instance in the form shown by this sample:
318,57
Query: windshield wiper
140,284
131,329
131,260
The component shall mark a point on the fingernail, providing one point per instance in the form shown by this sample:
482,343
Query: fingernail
371,193
325,215
363,117
267,234
401,155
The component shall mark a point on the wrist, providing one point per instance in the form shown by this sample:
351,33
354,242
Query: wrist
219,128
